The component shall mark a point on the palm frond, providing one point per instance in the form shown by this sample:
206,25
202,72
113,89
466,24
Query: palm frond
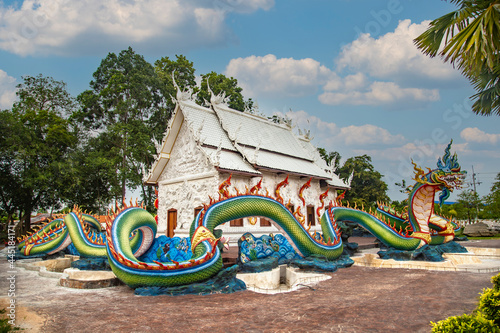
469,38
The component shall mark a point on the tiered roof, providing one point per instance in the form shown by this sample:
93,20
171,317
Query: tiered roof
240,142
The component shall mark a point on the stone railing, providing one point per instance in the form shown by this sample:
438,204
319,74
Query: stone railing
488,222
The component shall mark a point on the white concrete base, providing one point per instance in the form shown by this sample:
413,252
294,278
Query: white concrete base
477,261
265,280
484,252
76,274
280,280
48,268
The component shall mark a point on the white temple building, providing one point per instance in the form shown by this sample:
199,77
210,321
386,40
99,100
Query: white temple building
203,146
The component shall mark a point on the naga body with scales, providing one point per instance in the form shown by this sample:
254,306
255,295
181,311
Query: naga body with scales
131,230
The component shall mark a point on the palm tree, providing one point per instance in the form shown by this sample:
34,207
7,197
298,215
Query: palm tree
471,36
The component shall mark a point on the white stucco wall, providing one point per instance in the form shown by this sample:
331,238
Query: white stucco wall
186,182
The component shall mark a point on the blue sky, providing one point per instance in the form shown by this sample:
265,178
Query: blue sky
344,69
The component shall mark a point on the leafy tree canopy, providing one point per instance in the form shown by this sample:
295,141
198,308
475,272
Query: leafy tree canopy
471,202
331,158
493,200
95,184
469,37
183,71
125,86
367,186
35,143
11,191
220,83
125,103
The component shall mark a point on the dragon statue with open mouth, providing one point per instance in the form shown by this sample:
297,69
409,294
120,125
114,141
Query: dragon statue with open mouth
131,230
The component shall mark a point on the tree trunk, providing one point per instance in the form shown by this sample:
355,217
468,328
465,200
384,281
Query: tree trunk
146,196
26,219
124,161
124,189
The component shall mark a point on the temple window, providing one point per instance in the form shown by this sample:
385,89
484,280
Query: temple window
265,222
311,218
236,223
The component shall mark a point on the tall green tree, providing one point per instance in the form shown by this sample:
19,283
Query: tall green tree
220,83
36,139
125,102
11,191
95,184
469,38
183,71
470,201
367,186
492,200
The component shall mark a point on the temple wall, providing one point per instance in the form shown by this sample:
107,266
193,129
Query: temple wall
289,193
186,182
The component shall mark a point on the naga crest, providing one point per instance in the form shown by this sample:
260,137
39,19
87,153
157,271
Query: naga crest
447,176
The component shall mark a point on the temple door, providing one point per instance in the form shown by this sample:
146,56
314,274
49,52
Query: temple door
171,222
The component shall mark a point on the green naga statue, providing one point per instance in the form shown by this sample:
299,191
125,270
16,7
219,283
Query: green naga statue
131,230
419,225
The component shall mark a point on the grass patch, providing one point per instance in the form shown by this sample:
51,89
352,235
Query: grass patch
5,326
497,236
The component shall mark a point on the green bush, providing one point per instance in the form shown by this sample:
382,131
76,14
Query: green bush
486,317
465,323
489,305
496,282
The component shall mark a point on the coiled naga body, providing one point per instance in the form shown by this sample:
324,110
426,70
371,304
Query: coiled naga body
131,230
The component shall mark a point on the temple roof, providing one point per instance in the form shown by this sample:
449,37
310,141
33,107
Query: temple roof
243,143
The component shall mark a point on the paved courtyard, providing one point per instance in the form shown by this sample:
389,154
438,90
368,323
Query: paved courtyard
356,299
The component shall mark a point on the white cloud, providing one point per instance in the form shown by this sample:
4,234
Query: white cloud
396,161
470,134
290,77
306,121
330,135
7,90
421,153
366,135
380,93
393,56
387,71
268,75
86,26
245,6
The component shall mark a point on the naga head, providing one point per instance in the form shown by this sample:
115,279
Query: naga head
203,234
446,177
